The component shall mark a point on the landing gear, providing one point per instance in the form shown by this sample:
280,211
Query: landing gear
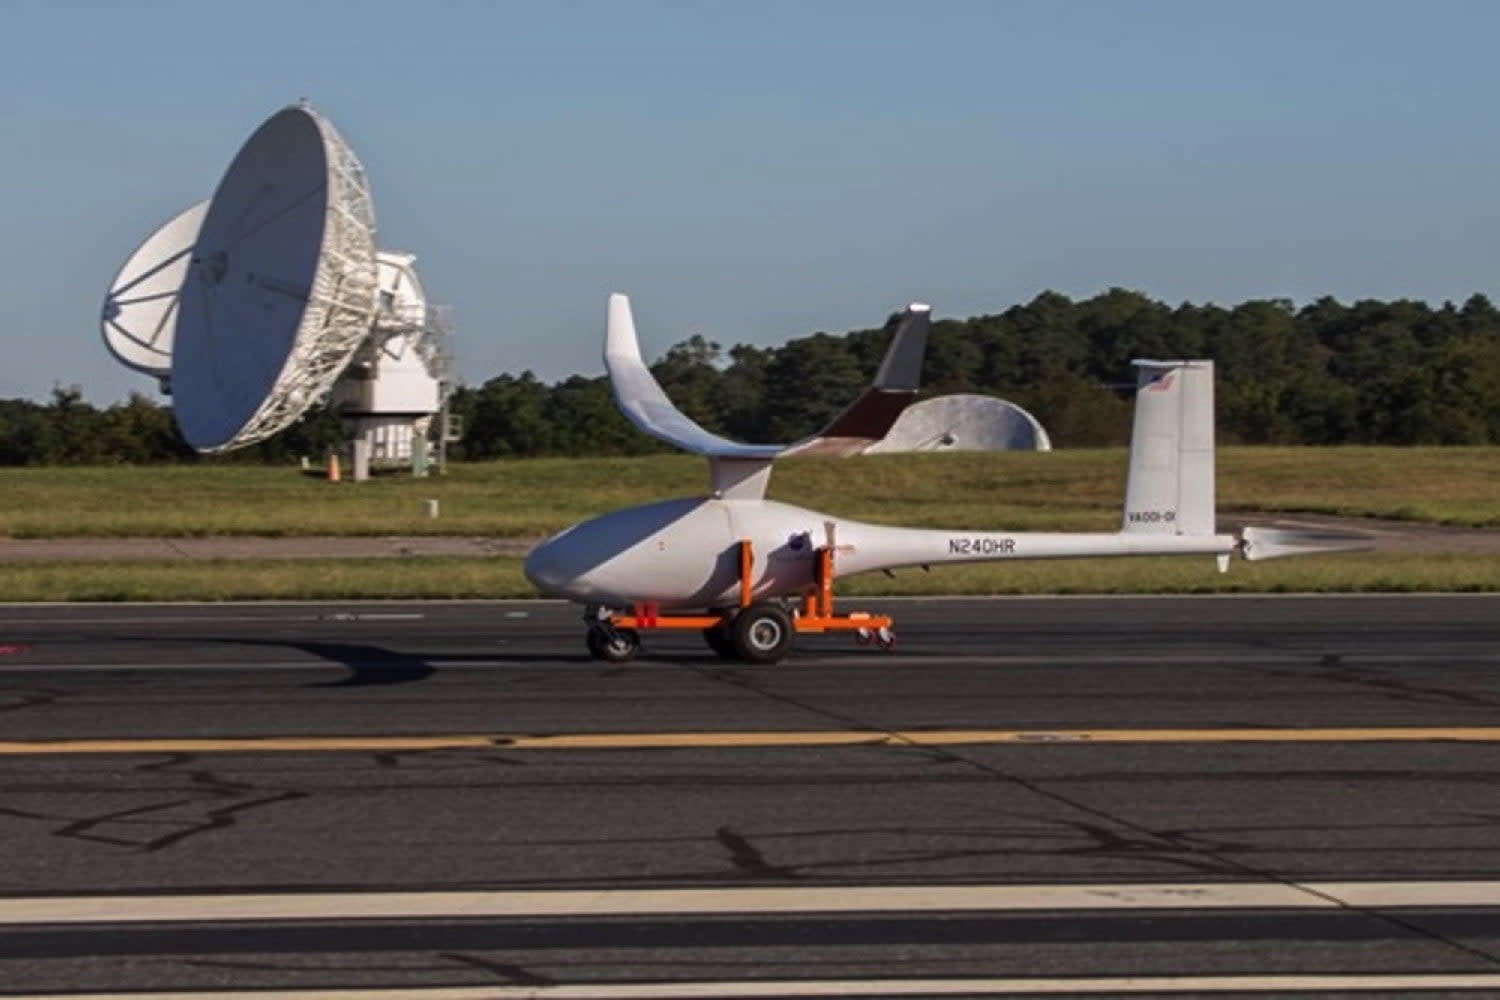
762,633
611,644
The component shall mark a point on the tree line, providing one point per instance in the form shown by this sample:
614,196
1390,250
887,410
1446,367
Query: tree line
1372,372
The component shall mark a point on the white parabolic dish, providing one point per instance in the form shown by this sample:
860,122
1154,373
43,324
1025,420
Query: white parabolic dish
140,311
963,422
282,285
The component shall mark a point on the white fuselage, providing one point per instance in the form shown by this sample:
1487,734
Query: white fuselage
684,554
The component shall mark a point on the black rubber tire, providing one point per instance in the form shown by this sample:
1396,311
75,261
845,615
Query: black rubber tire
614,645
762,633
719,641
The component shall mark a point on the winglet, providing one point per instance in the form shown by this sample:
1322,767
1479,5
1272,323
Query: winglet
641,399
620,340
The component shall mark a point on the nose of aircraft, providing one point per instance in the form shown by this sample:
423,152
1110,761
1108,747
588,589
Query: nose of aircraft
591,562
548,571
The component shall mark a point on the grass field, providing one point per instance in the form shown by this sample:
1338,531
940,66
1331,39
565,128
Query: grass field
1065,490
438,578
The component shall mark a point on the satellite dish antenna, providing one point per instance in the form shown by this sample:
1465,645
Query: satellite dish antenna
399,376
140,311
963,422
281,287
270,297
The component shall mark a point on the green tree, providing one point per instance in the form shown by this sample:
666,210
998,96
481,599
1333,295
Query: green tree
508,418
690,376
808,383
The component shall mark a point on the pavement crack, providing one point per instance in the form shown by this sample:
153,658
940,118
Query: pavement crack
509,972
167,763
1404,923
220,819
1185,851
1342,672
24,814
19,701
86,828
1338,669
1111,834
211,803
735,678
430,760
747,858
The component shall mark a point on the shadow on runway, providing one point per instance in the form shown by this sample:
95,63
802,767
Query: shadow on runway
367,665
370,666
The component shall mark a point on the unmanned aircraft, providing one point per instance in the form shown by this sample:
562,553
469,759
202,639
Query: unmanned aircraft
752,573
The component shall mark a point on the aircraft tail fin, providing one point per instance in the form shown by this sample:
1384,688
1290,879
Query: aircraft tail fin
1169,489
870,417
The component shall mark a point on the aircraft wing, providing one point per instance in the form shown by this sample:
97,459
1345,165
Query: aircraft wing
868,419
643,402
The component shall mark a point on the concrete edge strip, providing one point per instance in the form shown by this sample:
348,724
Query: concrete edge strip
742,740
772,900
744,989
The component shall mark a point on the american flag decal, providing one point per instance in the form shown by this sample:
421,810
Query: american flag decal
1160,383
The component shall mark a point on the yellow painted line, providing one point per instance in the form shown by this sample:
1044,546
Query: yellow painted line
670,741
1461,734
741,740
274,744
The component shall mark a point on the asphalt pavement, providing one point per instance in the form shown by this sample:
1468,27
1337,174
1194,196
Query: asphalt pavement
1030,796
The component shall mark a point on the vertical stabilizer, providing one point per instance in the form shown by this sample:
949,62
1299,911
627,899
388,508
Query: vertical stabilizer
1170,487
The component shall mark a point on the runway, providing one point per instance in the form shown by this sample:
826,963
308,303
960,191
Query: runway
1030,797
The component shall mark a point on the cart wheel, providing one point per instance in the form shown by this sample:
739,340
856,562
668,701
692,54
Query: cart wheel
886,638
762,633
613,645
720,642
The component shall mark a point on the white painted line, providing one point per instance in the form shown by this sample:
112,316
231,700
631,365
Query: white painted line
9,667
744,901
69,607
75,620
1384,895
252,666
745,989
1311,595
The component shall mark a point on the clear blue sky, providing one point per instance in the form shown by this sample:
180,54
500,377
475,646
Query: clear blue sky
758,171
